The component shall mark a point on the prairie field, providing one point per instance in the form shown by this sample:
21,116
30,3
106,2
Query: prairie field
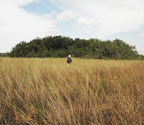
47,91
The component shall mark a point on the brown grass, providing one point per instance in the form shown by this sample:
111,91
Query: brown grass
88,92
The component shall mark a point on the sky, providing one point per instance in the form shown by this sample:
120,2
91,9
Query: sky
24,20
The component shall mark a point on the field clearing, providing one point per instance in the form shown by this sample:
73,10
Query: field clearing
88,92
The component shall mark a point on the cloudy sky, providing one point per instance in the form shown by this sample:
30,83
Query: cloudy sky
24,20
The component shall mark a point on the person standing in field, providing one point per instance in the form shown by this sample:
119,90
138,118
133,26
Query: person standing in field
69,59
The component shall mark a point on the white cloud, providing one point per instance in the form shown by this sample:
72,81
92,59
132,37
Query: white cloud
85,21
17,25
142,35
108,17
66,15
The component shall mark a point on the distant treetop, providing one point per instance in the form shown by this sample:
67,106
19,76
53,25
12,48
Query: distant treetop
59,46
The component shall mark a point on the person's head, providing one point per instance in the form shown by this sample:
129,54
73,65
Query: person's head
69,56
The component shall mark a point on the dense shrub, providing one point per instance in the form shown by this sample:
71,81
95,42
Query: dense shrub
59,46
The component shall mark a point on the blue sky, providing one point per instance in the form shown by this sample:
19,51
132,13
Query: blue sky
42,7
24,20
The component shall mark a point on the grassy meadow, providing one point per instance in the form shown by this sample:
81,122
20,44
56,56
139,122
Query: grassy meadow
88,92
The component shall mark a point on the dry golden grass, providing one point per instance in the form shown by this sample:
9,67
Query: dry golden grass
88,92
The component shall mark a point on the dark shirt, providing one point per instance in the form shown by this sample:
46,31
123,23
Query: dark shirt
69,60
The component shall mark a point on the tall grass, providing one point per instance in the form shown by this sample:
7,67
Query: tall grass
88,92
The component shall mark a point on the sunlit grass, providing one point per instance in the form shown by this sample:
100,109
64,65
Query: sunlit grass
48,91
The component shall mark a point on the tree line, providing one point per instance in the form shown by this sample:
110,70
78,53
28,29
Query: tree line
60,46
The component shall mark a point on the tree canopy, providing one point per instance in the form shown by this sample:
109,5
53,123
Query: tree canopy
59,46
